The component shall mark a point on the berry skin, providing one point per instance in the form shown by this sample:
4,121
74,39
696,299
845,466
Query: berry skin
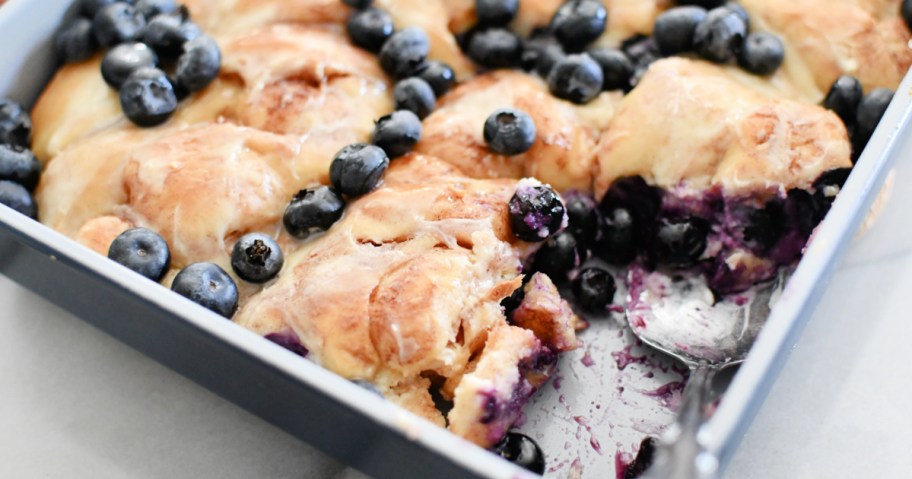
577,78
844,97
167,34
89,8
594,289
509,131
151,8
15,124
762,53
19,165
643,52
557,257
397,133
256,258
404,52
147,97
199,64
495,48
143,251
75,41
357,169
370,28
617,69
312,210
720,36
496,13
522,451
359,4
540,54
618,242
870,110
208,285
643,460
680,243
18,198
674,29
117,23
438,75
906,12
415,95
536,213
583,219
578,23
124,59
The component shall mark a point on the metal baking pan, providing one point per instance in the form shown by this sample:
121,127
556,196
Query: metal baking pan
607,395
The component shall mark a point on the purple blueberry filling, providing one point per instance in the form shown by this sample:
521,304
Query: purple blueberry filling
288,340
500,413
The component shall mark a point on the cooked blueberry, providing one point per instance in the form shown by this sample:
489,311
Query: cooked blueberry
18,198
762,53
15,124
617,69
370,28
536,213
438,75
870,110
496,13
583,220
124,59
707,4
117,23
357,169
540,54
522,451
311,210
256,258
208,285
151,8
19,165
558,256
495,48
75,41
578,23
618,241
720,36
643,52
147,97
142,250
594,289
509,131
199,64
288,340
359,4
577,78
802,213
510,303
680,243
404,52
827,186
167,34
906,11
397,133
643,460
415,95
765,226
639,198
674,29
91,7
844,97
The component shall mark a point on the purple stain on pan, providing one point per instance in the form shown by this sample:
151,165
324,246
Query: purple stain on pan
288,340
587,359
669,395
593,441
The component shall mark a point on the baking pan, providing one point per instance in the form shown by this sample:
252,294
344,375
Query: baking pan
606,397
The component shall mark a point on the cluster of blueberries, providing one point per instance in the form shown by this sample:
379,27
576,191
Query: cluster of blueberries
19,169
144,38
861,113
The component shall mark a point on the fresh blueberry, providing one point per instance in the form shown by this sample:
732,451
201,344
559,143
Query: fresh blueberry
844,97
199,64
618,241
762,53
359,4
15,124
906,11
509,131
583,219
495,48
142,250
208,285
680,243
397,133
578,23
151,8
311,210
540,54
415,95
438,75
536,213
707,4
289,340
147,97
75,41
617,69
496,13
594,289
404,52
577,78
357,169
643,52
117,23
827,186
870,110
370,28
124,59
18,198
558,256
522,451
19,165
720,36
167,34
738,9
643,460
674,29
89,8
256,258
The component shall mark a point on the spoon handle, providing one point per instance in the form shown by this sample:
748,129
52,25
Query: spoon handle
680,453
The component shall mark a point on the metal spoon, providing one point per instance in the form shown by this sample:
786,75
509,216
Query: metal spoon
679,316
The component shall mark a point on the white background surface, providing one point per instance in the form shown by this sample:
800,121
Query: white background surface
75,403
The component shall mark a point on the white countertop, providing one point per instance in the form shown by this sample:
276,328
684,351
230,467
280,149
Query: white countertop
76,403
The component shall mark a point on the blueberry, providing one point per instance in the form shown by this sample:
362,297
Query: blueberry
147,97
89,8
438,75
674,29
124,59
577,78
151,8
720,36
142,250
357,169
827,186
75,41
802,213
370,28
578,23
639,198
19,165
594,289
404,52
15,124
496,13
495,48
18,198
522,451
643,52
617,69
762,53
397,133
558,256
359,4
643,460
167,34
256,258
536,213
199,64
311,210
208,285
415,95
540,54
870,110
906,12
844,97
583,219
680,243
117,23
707,4
509,131
738,9
765,226
510,303
618,241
